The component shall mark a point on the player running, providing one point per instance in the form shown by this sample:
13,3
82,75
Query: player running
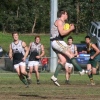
92,65
18,52
36,50
69,65
59,46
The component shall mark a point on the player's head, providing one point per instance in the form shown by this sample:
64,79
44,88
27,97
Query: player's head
37,39
87,39
70,40
63,14
15,36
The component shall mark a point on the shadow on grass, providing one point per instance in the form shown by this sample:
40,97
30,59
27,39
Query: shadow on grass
27,95
44,97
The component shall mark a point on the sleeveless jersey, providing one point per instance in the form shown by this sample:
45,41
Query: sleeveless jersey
91,51
55,35
18,51
72,48
35,50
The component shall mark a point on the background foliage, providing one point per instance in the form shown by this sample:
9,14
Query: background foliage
33,16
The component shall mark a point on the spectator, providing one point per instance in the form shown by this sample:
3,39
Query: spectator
44,62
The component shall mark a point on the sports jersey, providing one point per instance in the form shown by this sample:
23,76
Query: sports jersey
55,35
18,52
72,48
91,51
35,50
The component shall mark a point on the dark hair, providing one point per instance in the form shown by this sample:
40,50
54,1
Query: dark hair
87,37
37,37
60,12
70,38
14,33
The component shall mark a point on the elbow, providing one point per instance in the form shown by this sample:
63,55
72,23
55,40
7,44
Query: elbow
62,34
98,52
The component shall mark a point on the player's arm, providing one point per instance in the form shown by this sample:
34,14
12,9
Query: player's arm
26,50
61,30
29,47
10,52
42,51
75,51
96,49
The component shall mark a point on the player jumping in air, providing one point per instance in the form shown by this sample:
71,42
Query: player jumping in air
59,46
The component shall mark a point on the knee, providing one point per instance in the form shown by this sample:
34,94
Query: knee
23,72
93,72
18,73
30,71
63,62
36,70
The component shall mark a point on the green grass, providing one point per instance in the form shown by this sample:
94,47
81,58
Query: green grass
6,39
11,88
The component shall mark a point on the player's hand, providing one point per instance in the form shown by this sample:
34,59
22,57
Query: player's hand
24,59
11,58
72,27
92,57
38,57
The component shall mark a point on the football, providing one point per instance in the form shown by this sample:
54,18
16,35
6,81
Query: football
66,26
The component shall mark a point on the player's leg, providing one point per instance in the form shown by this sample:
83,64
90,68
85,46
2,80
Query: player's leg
30,65
68,70
30,74
36,66
23,69
95,66
62,47
66,74
61,63
74,62
21,77
93,70
90,75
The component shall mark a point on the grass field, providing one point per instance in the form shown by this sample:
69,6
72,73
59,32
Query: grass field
11,88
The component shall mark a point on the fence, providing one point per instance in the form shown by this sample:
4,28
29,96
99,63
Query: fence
7,65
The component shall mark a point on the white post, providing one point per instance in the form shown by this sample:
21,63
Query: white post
54,9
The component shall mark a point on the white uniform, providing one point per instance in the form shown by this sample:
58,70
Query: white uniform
57,40
18,54
72,48
35,50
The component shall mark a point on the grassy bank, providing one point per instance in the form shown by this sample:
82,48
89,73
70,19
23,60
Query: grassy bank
6,39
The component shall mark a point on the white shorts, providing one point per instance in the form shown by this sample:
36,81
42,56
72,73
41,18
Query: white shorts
19,64
60,46
33,63
69,65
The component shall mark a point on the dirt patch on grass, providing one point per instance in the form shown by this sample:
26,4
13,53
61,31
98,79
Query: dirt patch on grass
49,92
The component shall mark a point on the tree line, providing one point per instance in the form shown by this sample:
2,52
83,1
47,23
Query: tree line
33,16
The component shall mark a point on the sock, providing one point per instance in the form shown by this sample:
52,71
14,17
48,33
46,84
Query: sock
74,62
24,81
97,72
26,75
58,68
66,81
91,77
